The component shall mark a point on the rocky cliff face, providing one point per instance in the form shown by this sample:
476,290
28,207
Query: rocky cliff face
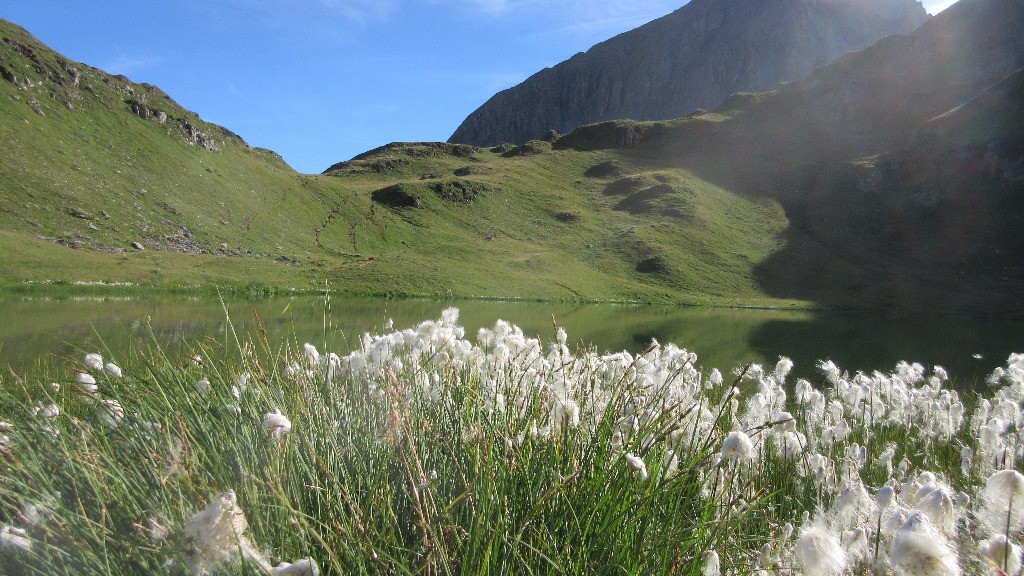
693,58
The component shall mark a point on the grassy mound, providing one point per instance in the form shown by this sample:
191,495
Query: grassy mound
604,170
397,196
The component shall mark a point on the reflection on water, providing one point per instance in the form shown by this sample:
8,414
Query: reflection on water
723,338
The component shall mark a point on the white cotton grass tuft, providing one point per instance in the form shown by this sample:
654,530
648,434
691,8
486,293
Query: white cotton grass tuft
14,539
884,497
93,362
782,368
737,446
566,410
113,369
110,412
819,550
37,514
277,424
1002,502
764,556
637,465
715,380
156,532
305,567
966,461
312,354
1002,554
853,505
787,532
829,369
938,505
712,564
217,535
49,411
919,549
856,544
88,381
203,387
41,511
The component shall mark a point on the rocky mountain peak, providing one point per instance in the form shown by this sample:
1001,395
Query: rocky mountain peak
692,58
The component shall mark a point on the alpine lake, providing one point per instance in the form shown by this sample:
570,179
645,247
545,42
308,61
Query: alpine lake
61,330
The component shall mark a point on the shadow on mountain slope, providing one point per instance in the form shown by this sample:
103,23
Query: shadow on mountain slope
900,167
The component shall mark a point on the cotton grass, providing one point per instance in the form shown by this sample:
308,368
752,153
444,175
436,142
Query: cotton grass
919,549
423,451
819,551
1003,502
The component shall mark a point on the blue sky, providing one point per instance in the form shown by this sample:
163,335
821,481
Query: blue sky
320,81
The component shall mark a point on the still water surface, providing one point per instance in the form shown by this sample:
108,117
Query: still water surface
723,338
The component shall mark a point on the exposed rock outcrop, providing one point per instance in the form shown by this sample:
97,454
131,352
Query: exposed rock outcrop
195,136
693,58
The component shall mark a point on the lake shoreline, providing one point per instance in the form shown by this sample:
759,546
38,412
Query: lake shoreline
60,288
63,289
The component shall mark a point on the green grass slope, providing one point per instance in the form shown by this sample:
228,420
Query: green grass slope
531,221
890,179
93,163
96,166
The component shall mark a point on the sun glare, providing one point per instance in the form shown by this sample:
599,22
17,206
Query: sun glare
935,6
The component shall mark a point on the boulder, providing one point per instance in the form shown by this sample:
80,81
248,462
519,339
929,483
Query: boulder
140,109
34,104
73,74
8,75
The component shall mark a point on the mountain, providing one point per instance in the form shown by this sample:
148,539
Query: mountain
899,167
693,58
892,179
103,180
898,171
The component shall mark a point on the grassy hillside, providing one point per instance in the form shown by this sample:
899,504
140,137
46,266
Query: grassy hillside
890,179
93,163
96,164
563,224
